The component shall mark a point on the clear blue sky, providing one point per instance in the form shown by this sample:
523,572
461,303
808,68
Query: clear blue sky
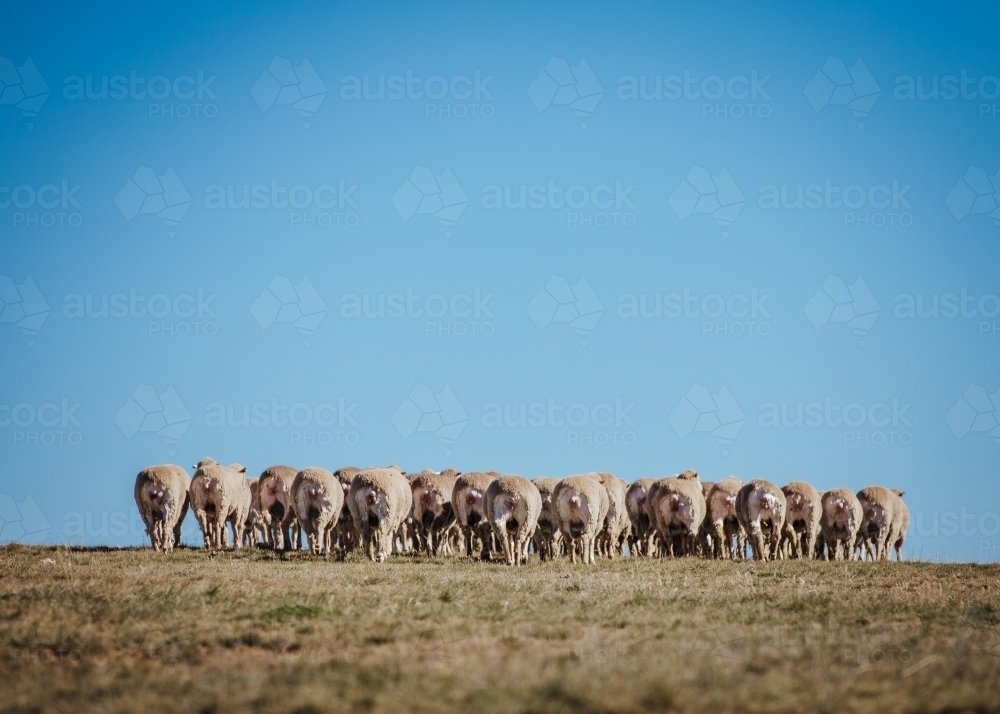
684,199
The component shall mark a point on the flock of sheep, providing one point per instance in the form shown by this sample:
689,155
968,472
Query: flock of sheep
385,510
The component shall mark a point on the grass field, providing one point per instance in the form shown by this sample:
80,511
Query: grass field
131,631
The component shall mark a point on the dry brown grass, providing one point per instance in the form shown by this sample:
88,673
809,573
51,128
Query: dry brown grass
121,631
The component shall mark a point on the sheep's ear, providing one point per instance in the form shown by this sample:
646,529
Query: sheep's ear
239,468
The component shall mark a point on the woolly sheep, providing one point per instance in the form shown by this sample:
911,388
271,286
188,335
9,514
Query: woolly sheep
346,535
513,505
725,522
274,492
581,506
901,521
804,509
840,522
879,506
218,495
679,510
467,499
161,495
760,507
318,499
616,523
380,500
547,537
643,530
433,513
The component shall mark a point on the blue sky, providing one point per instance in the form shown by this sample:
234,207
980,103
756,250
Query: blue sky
645,395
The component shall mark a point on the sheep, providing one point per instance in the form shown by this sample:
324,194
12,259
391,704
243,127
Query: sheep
547,537
219,494
274,491
900,522
706,535
254,529
581,506
879,505
318,498
161,495
802,516
346,537
513,505
760,507
724,520
643,536
679,510
380,500
470,510
616,523
433,513
840,522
